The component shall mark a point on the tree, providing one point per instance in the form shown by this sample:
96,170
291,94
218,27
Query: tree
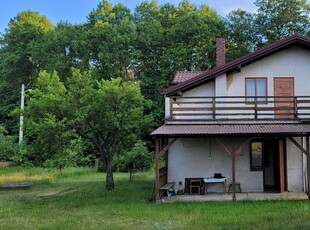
61,49
277,19
111,35
7,150
241,34
109,114
112,117
172,38
16,60
138,158
46,124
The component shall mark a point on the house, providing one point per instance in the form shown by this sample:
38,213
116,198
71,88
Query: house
247,120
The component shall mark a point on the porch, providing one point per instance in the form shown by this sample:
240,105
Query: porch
239,197
199,151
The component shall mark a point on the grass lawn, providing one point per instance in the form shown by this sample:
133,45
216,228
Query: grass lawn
76,199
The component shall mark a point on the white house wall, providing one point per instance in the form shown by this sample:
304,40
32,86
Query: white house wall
295,168
204,90
191,158
292,62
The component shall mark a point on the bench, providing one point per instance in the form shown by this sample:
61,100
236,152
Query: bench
166,188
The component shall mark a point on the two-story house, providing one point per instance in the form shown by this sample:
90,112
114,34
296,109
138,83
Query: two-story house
248,120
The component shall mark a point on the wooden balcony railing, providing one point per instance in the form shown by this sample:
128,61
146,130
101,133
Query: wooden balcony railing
235,107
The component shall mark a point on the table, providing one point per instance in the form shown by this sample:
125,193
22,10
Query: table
212,180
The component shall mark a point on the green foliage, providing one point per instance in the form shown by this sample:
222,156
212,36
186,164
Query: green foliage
50,140
16,60
137,159
111,118
172,38
277,19
274,20
61,49
241,34
111,36
8,148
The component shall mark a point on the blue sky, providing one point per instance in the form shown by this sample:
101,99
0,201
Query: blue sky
76,11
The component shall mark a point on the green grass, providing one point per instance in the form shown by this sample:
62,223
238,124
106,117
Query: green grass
76,199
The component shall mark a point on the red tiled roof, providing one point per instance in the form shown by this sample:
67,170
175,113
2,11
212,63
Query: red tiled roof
192,130
239,62
182,76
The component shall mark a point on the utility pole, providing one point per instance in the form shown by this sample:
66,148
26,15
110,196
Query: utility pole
21,118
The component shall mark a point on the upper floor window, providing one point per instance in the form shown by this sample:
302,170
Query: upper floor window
256,87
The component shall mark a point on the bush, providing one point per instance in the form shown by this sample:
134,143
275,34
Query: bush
138,159
8,148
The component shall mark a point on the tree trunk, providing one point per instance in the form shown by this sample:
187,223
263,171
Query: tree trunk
109,178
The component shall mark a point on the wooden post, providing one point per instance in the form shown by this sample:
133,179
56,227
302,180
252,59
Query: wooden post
308,164
171,107
213,108
281,161
295,108
233,168
255,108
157,169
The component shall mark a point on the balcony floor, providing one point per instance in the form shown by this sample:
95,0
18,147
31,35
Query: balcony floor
240,196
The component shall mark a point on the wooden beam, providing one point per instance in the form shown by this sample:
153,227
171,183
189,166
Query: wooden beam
167,147
238,151
224,147
298,145
157,169
308,164
233,168
281,160
233,153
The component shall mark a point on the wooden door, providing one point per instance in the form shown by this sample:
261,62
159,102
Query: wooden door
284,107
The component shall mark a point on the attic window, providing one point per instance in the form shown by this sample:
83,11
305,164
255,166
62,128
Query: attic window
256,87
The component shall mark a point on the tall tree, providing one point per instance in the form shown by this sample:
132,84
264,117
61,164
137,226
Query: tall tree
111,36
16,61
111,115
61,49
277,19
172,38
241,33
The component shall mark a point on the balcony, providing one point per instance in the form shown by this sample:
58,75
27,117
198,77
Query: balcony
240,108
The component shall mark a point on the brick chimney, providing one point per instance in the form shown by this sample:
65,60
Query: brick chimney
220,51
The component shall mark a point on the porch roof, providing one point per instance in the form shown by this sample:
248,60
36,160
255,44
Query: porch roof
237,129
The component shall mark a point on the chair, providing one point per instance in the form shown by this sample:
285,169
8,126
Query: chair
194,186
237,187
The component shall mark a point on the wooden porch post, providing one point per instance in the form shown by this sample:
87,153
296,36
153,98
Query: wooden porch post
281,160
308,164
233,153
233,168
157,169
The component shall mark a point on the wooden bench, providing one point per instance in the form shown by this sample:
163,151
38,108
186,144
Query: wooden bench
166,188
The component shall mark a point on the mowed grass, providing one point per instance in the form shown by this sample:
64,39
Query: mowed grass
76,199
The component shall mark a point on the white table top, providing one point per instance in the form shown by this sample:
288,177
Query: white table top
214,180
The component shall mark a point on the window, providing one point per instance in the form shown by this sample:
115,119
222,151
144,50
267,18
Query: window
256,87
256,156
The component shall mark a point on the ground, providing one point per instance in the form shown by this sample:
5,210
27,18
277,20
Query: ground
76,199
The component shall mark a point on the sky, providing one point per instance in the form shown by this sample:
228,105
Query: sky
76,11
